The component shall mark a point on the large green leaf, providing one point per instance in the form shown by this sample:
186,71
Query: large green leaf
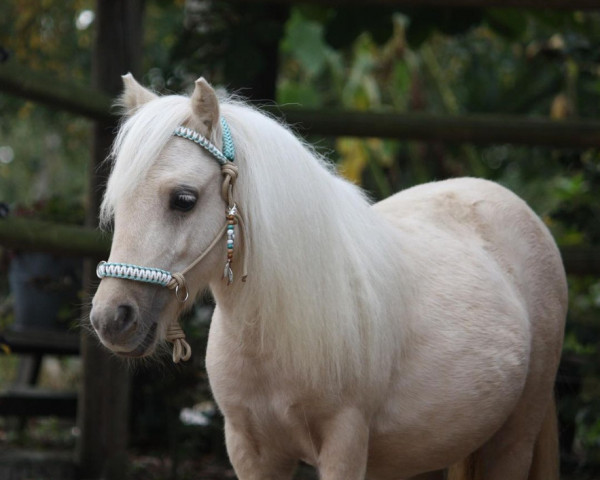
304,40
348,23
510,23
424,22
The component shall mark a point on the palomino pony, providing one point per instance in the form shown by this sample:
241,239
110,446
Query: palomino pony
370,341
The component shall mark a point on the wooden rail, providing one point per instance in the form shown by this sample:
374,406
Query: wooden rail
25,401
64,239
26,234
71,97
477,129
41,342
556,4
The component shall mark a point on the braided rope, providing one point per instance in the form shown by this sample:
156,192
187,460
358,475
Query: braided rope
201,140
134,272
223,157
228,145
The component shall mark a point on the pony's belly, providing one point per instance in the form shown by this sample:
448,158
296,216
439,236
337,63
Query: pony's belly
424,440
436,415
395,456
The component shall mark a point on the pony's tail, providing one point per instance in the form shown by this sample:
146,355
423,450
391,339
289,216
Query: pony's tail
467,469
545,461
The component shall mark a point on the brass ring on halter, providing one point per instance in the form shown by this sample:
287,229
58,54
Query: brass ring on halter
187,293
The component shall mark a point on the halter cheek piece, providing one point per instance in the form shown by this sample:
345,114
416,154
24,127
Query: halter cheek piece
176,281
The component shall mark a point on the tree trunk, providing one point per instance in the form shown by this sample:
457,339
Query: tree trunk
103,413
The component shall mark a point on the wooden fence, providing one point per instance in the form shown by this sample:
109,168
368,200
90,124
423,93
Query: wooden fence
556,4
477,129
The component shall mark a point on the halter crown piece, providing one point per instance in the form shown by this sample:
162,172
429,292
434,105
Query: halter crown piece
176,281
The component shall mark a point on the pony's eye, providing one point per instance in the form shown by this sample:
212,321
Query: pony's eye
183,201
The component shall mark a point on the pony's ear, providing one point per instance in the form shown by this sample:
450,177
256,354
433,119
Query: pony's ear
205,104
134,95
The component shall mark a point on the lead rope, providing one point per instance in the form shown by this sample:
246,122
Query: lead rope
175,334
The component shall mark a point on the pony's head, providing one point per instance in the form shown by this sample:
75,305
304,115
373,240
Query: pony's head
315,249
166,201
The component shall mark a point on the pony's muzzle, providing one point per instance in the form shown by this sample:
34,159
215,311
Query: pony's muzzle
117,327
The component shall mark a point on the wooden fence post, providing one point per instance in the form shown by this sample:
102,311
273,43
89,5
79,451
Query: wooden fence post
103,408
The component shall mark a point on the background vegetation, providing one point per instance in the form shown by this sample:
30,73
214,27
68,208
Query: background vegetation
541,63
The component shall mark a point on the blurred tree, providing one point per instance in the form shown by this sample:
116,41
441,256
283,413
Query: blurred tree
233,44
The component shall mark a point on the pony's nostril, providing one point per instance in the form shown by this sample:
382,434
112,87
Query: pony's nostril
115,324
124,319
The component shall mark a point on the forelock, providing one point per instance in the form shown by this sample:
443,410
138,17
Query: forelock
138,143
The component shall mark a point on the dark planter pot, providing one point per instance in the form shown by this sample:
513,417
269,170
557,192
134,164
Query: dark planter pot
45,290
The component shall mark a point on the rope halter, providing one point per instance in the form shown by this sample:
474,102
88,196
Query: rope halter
176,281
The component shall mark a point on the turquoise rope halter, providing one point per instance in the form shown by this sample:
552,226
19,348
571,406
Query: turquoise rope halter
155,275
176,281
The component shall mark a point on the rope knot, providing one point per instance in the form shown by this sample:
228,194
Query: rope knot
230,172
181,348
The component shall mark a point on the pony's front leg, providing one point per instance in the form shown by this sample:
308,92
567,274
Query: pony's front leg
250,461
343,454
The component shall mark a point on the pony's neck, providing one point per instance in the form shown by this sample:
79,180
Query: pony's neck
318,295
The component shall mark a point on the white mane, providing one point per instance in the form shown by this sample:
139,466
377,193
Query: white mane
319,258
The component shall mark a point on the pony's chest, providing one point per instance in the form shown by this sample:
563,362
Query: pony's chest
264,402
240,382
266,408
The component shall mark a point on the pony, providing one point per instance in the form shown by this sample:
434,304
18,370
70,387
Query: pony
373,341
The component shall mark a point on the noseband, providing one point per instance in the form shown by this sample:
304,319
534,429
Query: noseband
176,281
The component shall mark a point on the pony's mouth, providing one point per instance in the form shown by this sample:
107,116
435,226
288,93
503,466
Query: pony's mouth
143,348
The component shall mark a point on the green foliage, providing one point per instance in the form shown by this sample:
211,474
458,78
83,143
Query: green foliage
43,152
228,43
346,24
48,155
44,36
